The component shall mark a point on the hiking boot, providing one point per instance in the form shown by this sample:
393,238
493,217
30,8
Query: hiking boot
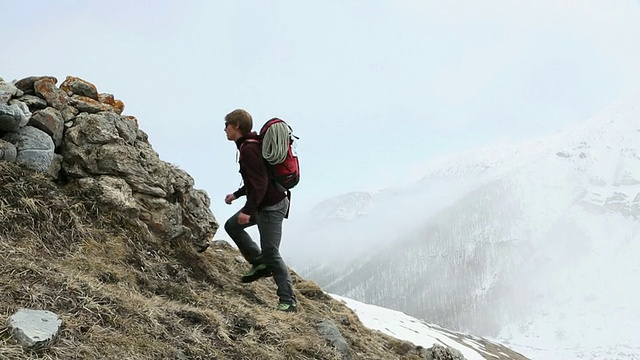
256,272
284,307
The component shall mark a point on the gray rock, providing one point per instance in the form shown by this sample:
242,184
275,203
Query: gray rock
34,148
4,97
34,328
33,102
46,88
12,117
8,151
56,165
22,106
50,121
87,104
110,190
80,87
27,83
69,113
331,332
10,88
111,103
438,352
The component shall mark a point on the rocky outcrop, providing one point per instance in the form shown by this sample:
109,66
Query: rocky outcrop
79,137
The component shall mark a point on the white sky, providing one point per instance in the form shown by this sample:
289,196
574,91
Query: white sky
375,89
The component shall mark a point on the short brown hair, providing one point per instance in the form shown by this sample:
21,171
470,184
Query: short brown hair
242,119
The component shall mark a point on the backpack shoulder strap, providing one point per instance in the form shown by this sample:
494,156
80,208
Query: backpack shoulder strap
243,143
249,141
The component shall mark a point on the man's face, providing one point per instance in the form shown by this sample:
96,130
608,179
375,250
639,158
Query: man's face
232,131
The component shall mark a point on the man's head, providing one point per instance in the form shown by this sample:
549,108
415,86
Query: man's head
237,124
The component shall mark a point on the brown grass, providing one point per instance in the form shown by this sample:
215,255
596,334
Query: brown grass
123,294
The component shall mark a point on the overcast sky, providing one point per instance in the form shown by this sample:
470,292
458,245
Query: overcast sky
374,89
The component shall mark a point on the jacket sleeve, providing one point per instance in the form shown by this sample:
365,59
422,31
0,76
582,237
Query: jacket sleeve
254,175
240,192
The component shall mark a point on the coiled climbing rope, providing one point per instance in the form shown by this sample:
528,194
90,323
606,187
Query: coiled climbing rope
275,143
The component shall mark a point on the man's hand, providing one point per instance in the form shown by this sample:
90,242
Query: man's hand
243,218
229,198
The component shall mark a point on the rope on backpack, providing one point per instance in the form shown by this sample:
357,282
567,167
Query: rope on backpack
275,143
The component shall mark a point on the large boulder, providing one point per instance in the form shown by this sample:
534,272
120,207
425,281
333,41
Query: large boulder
35,148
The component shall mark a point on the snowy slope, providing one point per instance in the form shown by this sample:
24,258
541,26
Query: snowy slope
535,244
404,327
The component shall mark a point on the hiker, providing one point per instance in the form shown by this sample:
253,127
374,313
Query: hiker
266,206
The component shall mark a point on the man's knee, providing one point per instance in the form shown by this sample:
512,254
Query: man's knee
271,254
231,225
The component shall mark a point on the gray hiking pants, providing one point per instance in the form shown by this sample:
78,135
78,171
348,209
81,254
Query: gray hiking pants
269,221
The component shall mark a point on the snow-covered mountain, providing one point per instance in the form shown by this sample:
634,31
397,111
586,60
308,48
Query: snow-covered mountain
345,207
536,244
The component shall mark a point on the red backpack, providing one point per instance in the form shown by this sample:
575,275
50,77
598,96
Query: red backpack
276,137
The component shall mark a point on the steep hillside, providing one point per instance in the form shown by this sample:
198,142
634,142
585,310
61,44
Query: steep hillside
541,251
124,294
97,229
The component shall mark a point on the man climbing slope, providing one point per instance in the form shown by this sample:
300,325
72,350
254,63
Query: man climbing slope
266,206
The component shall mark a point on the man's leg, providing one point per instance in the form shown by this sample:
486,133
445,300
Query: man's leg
246,245
269,222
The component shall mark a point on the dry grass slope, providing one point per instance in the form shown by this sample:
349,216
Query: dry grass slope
123,294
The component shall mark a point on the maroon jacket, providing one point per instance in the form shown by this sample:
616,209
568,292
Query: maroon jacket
258,188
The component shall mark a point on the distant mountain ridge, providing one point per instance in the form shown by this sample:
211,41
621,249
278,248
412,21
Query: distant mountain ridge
525,247
345,207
